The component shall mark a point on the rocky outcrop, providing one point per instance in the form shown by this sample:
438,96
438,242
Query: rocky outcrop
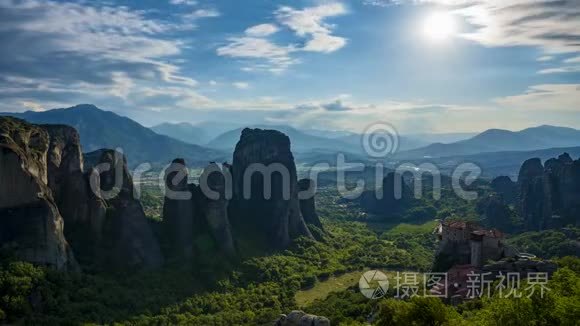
391,198
265,197
550,195
307,188
191,211
214,199
504,186
495,212
178,210
300,318
82,211
30,222
127,238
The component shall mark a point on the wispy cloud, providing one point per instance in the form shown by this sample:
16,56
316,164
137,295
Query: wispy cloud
202,13
95,50
309,22
546,97
546,58
183,2
241,85
560,70
262,30
247,47
306,23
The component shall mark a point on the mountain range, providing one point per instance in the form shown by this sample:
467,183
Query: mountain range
498,140
105,129
215,141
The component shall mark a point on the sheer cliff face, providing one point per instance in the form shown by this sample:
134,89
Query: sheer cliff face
389,200
178,210
30,222
307,188
549,195
43,189
127,239
277,217
215,208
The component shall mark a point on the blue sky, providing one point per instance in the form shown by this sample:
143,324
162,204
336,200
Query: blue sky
312,64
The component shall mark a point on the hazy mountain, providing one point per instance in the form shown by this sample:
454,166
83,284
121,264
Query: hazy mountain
495,164
496,140
104,129
186,132
444,138
413,141
300,141
198,133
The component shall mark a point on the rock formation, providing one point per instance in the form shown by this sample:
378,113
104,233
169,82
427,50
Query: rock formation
192,211
47,199
549,195
218,212
495,212
300,318
178,210
82,211
504,186
307,189
127,238
387,200
266,188
30,222
213,196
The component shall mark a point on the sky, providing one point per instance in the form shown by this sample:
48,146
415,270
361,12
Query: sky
421,65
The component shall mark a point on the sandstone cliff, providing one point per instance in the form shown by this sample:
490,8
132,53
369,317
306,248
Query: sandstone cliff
387,200
266,202
178,210
504,186
49,208
30,222
127,238
307,189
192,211
549,195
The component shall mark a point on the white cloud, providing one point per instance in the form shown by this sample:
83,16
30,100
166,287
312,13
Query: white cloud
545,58
309,22
277,56
546,97
183,2
33,106
261,30
202,13
324,43
305,23
547,24
333,106
241,85
573,60
100,50
560,70
212,83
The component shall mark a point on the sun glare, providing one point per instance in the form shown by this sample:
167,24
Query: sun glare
439,26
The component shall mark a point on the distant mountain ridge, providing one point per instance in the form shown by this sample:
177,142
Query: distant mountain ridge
104,129
300,141
199,133
498,140
183,131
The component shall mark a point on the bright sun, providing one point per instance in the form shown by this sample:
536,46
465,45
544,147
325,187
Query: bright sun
439,26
